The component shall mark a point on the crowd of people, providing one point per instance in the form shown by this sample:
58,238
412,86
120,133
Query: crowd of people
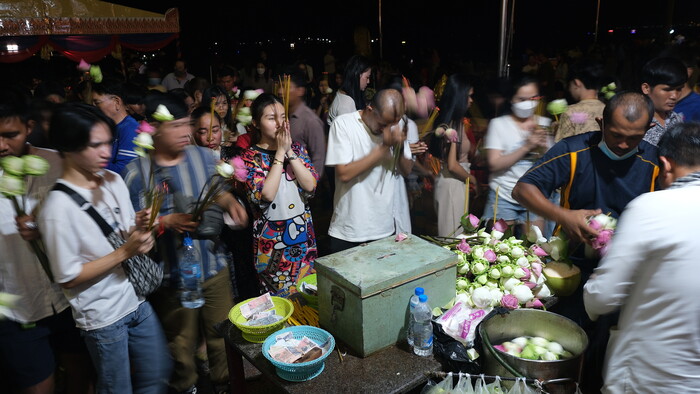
368,143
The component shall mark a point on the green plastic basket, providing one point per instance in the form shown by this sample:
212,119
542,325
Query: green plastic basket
258,334
311,300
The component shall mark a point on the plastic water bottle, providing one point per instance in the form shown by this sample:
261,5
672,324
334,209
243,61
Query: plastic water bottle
411,306
190,276
422,327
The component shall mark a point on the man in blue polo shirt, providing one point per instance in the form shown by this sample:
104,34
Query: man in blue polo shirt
597,172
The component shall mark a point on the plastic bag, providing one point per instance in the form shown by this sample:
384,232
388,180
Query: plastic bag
464,385
495,387
452,354
443,387
480,386
521,387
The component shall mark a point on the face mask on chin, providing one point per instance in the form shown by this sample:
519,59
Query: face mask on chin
524,109
612,155
260,70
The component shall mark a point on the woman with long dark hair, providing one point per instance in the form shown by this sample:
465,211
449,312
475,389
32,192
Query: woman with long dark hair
351,95
451,145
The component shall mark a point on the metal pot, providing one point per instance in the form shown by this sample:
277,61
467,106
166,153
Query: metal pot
535,323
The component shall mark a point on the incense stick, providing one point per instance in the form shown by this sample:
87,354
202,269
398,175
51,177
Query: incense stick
495,205
466,196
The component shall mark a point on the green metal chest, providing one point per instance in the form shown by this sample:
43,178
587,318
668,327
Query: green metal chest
363,292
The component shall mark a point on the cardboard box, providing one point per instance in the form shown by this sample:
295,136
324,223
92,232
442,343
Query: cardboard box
363,292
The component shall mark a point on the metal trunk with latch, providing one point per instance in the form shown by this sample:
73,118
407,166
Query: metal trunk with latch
363,292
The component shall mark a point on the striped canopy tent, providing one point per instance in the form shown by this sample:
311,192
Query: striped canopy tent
80,29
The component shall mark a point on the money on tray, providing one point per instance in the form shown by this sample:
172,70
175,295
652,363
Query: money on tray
289,350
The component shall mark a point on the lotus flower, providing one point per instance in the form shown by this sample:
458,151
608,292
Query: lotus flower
470,223
400,237
83,66
523,293
534,235
144,140
11,185
13,165
557,107
534,304
490,255
440,131
510,301
464,247
162,114
538,251
145,127
35,165
96,73
481,297
500,226
225,170
509,283
451,135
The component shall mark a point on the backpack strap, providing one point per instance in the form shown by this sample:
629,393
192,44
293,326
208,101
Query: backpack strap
87,207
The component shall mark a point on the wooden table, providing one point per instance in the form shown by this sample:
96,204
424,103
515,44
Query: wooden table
392,370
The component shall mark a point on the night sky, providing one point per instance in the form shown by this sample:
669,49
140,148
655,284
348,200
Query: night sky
461,28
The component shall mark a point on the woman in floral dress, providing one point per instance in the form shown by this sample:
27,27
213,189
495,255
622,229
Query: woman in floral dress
280,181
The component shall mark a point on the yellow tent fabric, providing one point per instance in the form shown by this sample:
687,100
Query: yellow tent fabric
73,17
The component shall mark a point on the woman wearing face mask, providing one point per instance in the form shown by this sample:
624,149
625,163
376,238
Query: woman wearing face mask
261,78
512,143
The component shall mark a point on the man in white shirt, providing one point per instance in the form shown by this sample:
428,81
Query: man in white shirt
178,78
39,329
360,147
649,274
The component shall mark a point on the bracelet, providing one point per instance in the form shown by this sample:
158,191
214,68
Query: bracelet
275,161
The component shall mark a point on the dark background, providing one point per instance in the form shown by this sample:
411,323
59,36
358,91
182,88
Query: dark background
459,29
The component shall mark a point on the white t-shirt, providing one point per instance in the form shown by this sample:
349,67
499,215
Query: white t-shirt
402,211
363,206
21,273
342,104
505,135
73,238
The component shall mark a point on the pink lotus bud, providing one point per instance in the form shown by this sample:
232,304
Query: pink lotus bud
534,304
440,131
145,127
500,347
595,225
400,237
527,274
539,252
500,225
451,135
241,171
473,223
83,66
464,247
510,301
530,285
490,256
536,269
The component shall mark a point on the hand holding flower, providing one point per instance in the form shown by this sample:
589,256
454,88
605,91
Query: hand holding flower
575,224
26,225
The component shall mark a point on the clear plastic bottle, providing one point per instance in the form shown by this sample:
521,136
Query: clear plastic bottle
190,275
411,306
422,328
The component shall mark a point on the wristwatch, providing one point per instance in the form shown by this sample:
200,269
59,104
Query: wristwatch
292,156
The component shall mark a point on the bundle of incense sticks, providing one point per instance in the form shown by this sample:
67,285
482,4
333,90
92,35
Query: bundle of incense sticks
285,82
429,124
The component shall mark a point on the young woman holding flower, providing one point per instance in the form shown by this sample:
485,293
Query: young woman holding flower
120,329
280,181
451,145
513,142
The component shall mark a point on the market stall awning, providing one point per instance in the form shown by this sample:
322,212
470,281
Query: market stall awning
80,29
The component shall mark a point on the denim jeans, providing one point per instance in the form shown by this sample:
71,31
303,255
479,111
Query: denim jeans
134,343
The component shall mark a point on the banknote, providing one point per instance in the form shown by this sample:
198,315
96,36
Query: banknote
262,303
